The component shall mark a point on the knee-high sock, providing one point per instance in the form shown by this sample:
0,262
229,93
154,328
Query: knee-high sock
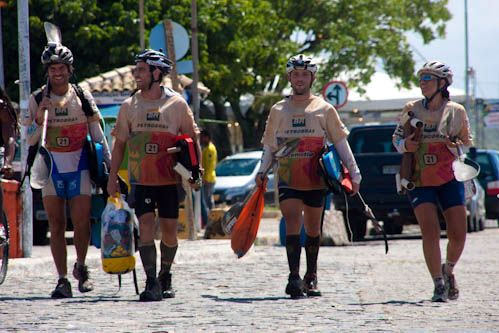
167,257
148,257
293,250
312,245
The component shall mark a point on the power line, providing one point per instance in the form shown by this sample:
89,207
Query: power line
418,53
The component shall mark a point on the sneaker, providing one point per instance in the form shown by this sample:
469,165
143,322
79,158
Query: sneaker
311,285
152,293
81,274
63,289
295,287
165,279
439,294
450,284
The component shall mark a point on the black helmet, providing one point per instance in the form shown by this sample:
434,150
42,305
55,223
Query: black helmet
57,54
156,59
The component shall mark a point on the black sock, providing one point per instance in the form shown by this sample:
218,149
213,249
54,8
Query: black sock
293,249
312,245
167,256
148,257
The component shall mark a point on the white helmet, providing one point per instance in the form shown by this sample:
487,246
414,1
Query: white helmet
301,61
438,69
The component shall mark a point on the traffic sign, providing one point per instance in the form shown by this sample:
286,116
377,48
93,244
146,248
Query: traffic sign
335,93
492,120
180,38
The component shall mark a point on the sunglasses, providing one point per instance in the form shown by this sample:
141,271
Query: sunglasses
427,77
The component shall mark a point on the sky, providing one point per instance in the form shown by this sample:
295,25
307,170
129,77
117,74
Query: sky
483,47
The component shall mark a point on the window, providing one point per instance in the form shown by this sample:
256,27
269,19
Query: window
236,167
378,140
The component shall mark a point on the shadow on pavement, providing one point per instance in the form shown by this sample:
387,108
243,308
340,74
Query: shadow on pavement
419,303
245,299
97,299
21,298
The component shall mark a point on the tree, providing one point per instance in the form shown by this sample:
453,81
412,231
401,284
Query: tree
101,34
243,43
357,34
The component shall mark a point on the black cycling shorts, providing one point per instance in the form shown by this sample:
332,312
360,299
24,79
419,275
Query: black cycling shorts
147,198
312,198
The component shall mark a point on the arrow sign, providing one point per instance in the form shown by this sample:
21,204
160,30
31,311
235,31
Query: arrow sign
335,93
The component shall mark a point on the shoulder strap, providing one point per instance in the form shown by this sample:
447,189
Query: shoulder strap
85,104
38,96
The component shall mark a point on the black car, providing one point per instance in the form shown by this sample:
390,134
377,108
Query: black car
488,179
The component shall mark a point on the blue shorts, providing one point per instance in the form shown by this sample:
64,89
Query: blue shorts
448,195
68,185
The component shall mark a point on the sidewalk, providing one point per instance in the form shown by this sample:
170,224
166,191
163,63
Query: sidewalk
363,289
268,234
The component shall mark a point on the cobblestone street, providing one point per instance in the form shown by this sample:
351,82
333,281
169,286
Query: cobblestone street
363,290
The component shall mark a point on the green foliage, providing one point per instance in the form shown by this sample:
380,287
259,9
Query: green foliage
101,34
243,43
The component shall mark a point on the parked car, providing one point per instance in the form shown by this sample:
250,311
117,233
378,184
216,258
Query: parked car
475,208
488,178
379,162
236,177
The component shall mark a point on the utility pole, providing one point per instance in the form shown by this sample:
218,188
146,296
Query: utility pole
195,92
195,59
466,63
472,74
2,78
24,92
141,25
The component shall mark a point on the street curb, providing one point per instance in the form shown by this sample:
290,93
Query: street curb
271,214
20,265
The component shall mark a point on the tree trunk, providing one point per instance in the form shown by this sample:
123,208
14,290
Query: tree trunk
250,140
222,134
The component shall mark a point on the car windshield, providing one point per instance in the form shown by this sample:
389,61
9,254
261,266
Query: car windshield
236,167
372,141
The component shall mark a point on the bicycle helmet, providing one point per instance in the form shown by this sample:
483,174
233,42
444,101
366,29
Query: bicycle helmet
57,54
155,59
301,61
438,69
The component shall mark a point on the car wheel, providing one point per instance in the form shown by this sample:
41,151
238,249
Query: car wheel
40,229
469,224
481,225
392,228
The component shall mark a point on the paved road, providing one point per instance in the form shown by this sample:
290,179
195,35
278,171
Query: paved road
364,290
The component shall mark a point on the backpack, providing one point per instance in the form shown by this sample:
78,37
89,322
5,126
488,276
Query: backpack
95,150
334,173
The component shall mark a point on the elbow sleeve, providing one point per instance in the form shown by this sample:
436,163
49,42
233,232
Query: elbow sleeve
266,161
347,158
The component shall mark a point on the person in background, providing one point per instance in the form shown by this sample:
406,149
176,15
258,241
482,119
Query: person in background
209,160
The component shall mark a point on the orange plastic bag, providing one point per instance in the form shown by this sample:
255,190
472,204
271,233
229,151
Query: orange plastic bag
246,227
